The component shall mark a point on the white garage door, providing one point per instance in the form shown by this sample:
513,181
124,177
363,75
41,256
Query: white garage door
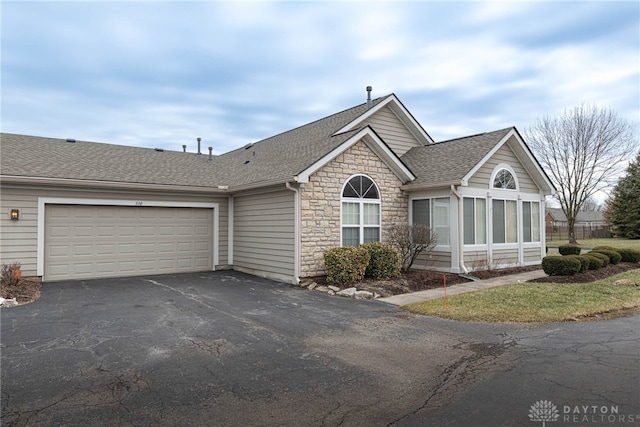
110,241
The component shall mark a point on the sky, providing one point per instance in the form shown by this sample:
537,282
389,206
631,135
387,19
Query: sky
160,74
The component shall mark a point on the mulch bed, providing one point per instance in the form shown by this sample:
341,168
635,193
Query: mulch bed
419,280
25,291
590,275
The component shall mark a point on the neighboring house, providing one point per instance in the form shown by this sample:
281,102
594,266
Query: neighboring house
88,210
556,218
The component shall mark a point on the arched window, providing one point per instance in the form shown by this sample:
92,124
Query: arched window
360,214
504,179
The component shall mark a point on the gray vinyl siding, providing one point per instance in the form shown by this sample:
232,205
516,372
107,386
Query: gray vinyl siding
532,255
504,257
504,155
392,131
433,260
18,242
263,238
476,260
19,239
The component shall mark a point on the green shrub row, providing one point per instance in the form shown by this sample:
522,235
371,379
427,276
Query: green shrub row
599,257
561,265
350,264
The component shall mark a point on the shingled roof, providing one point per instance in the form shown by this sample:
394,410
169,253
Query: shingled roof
275,159
450,161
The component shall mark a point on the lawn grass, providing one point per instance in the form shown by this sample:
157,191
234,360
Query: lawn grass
590,243
536,302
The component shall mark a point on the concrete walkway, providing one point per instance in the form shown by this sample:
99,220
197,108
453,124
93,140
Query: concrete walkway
413,297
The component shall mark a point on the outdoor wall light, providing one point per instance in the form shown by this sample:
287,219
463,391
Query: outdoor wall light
15,214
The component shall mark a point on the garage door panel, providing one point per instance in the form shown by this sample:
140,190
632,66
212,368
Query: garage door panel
109,241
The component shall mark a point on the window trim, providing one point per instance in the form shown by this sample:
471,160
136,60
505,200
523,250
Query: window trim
475,243
361,202
431,199
496,170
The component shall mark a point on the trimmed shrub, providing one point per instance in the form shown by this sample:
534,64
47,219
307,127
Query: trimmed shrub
603,257
606,248
595,263
584,262
569,249
629,255
561,265
614,256
384,262
346,264
10,274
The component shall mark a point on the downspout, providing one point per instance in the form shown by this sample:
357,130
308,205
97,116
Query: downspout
296,232
460,227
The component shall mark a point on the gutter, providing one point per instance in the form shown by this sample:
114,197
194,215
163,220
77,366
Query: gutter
460,227
12,179
296,232
417,187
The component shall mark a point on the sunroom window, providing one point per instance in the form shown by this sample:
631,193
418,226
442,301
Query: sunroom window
475,221
505,221
433,213
531,221
360,211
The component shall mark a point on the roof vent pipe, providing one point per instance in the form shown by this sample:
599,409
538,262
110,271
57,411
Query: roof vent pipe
210,154
184,148
369,88
199,152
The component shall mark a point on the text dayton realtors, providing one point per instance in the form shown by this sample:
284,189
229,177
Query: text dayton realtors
596,414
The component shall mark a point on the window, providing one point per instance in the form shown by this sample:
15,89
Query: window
433,213
504,179
531,221
475,221
505,221
360,211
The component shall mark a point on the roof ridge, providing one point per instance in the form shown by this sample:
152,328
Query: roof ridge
475,135
374,101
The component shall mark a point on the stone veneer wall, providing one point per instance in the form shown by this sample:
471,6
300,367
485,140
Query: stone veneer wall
320,203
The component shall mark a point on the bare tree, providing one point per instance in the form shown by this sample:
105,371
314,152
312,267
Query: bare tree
591,205
584,150
411,240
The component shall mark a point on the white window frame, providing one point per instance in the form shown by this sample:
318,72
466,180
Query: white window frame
361,202
475,220
496,170
534,222
432,200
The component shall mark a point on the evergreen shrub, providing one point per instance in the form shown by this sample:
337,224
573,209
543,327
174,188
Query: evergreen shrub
384,262
346,264
561,265
569,249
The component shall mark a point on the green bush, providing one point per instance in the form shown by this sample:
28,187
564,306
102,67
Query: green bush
561,265
569,249
384,262
346,265
603,257
595,263
607,248
614,256
584,262
629,255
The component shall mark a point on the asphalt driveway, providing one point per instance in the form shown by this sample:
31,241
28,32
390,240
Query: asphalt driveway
224,348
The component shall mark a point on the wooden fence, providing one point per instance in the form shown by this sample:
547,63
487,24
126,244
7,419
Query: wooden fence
561,232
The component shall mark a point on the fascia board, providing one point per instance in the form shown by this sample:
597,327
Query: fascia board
65,182
398,108
513,133
374,142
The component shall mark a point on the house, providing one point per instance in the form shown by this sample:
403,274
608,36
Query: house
75,209
555,217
